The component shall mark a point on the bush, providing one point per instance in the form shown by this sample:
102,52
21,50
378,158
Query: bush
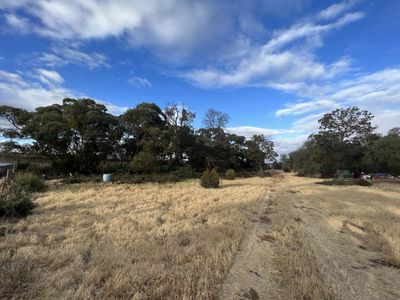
360,182
286,169
29,183
210,179
230,174
185,172
111,166
145,162
17,204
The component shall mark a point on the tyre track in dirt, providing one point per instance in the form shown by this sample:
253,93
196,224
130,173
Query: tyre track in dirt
289,251
251,275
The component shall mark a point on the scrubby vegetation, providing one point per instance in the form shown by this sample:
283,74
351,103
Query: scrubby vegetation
359,181
230,174
29,182
210,179
17,201
17,204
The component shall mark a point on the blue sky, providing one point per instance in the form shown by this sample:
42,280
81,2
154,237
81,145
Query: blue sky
275,66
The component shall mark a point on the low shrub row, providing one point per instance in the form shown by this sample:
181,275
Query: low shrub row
360,182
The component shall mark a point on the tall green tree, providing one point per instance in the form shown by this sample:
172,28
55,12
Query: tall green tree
215,119
95,133
50,130
15,120
343,133
383,154
181,133
259,151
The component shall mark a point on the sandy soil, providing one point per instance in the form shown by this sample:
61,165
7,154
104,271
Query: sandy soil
317,242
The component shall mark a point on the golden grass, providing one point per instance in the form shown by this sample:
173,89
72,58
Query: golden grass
372,215
150,241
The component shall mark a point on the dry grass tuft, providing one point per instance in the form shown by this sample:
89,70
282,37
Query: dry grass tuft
150,241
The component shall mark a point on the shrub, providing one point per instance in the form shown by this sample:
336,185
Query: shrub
286,169
210,179
185,172
29,182
360,182
17,204
230,174
145,162
334,182
111,166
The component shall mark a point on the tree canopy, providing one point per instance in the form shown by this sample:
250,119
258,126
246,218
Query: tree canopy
79,135
346,140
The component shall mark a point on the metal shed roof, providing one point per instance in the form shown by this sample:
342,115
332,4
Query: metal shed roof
6,166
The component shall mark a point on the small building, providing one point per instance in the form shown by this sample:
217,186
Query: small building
6,168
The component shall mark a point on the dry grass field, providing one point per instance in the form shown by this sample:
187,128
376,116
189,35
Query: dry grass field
150,241
335,242
300,240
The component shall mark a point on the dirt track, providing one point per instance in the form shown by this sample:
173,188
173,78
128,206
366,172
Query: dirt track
310,241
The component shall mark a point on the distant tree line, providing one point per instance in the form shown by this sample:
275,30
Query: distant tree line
346,140
79,135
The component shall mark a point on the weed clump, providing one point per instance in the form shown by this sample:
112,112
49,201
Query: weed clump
29,182
210,179
16,204
230,174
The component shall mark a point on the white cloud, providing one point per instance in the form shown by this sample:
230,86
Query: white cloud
26,93
18,91
62,55
17,22
139,82
377,92
382,87
249,131
386,120
305,107
112,108
286,59
171,28
285,140
49,77
336,9
308,123
288,144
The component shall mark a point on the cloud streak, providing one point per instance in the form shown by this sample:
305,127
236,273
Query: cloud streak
286,59
165,27
139,82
